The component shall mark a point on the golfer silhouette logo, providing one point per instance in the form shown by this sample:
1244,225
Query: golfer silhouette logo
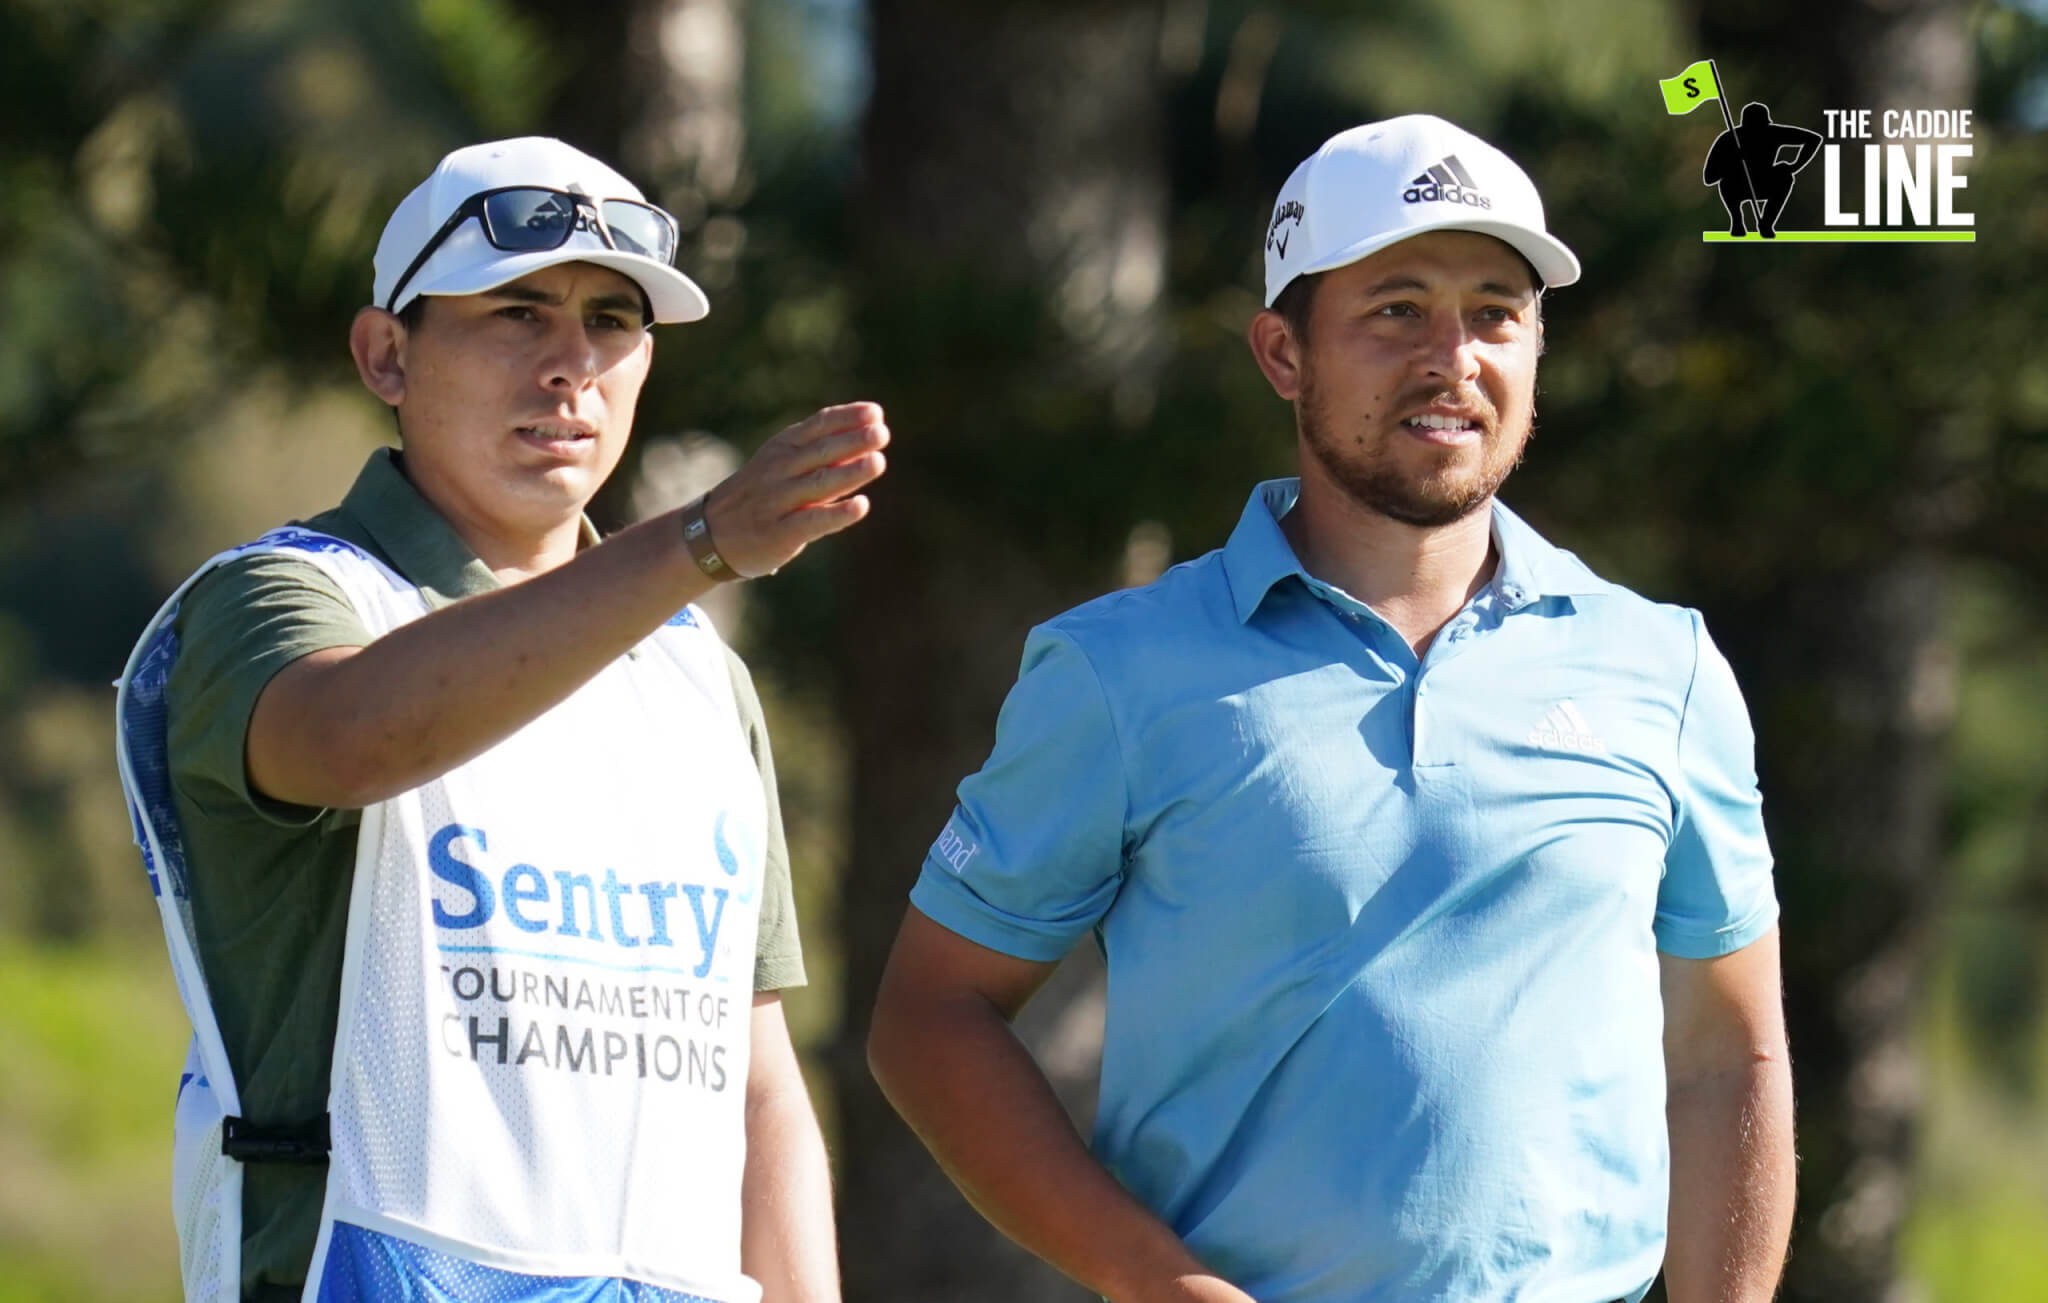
1756,163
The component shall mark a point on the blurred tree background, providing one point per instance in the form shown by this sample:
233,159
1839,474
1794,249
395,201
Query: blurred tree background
1031,230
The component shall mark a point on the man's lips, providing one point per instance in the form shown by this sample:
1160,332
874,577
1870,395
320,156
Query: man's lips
1446,429
556,435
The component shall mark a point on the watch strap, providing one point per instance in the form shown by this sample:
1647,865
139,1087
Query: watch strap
697,537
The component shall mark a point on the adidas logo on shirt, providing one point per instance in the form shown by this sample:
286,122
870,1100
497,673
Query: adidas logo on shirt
1563,728
1447,181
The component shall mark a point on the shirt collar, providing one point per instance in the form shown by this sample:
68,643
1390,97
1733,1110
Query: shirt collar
415,538
1258,556
1532,567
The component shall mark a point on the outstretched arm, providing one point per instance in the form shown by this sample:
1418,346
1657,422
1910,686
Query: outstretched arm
349,726
942,1049
1729,1108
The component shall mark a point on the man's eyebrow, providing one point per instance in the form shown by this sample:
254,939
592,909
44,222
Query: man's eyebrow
522,294
1393,283
1507,291
1499,289
615,303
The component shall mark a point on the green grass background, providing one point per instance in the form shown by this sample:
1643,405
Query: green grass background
92,1039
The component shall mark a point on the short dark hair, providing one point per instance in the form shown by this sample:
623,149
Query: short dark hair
1297,303
410,316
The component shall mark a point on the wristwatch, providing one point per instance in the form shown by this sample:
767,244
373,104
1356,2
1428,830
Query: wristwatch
697,537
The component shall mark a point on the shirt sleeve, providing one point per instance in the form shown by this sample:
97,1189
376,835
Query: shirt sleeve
1717,894
778,949
237,628
1034,853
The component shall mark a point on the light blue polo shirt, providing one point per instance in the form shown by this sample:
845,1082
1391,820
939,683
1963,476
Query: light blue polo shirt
1383,1016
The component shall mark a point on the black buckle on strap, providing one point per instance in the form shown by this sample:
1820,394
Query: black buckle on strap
287,1142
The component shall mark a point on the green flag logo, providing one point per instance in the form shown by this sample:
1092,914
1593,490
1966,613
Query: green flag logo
1908,191
1691,88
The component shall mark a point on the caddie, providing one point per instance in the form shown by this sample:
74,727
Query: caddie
463,822
1428,866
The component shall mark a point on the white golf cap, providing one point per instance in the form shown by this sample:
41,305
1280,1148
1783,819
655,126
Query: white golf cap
468,263
1374,185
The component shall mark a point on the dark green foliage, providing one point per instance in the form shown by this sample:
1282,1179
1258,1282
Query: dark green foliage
1839,453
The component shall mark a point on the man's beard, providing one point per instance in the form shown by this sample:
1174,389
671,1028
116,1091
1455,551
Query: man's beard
1374,479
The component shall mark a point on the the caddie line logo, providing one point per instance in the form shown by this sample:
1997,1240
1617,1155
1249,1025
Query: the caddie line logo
1908,191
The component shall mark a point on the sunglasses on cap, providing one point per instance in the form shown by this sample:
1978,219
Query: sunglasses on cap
531,219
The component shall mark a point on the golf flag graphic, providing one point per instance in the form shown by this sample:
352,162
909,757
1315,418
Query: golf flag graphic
1691,88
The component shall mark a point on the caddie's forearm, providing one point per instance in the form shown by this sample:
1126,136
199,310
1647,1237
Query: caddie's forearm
787,1239
349,727
959,1076
1733,1179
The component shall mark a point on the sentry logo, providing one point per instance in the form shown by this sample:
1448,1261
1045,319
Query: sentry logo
469,893
955,848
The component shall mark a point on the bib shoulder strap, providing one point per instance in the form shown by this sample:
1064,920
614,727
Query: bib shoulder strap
690,643
380,596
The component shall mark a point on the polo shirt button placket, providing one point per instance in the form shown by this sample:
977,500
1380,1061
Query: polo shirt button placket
1450,642
1416,733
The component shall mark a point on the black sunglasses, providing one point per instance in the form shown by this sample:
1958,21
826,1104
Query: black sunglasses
528,219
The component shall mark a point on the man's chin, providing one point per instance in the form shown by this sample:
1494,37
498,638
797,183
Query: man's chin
1428,490
1425,513
550,490
1426,503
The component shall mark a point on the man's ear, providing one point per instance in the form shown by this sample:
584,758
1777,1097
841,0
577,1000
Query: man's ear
1277,352
377,340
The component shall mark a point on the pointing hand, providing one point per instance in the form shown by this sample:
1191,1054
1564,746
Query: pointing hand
798,487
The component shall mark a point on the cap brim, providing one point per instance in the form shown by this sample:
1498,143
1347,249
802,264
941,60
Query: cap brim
1556,264
674,297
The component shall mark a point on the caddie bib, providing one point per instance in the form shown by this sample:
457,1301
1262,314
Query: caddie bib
539,1070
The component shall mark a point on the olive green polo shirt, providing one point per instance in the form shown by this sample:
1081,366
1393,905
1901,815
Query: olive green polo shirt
270,882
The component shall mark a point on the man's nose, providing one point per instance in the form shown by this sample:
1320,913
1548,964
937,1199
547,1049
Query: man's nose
1450,350
570,360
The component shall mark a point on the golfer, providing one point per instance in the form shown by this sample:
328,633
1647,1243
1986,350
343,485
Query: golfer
463,823
1428,867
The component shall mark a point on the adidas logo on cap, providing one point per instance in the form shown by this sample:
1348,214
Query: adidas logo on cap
1355,185
1447,181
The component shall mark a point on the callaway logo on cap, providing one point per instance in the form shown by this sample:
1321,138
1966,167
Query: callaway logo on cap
1371,186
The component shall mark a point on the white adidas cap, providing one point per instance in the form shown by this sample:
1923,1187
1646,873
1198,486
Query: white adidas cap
468,263
1374,185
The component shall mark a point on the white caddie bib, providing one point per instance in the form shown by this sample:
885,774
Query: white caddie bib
539,1074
